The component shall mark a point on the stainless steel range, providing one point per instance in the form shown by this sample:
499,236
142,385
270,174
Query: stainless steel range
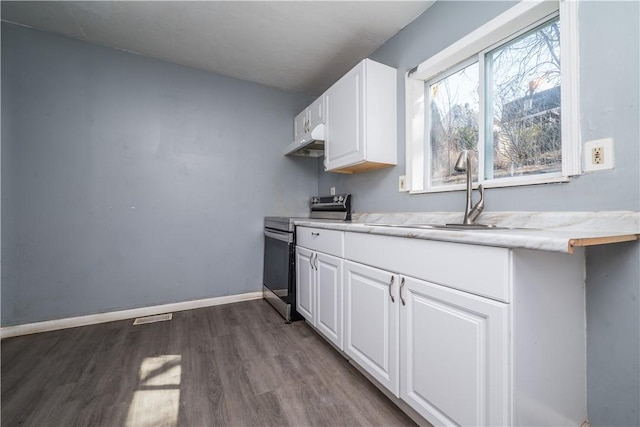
279,273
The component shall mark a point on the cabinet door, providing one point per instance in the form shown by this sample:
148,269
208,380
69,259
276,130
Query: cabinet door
371,322
329,298
305,286
344,143
300,123
454,355
316,112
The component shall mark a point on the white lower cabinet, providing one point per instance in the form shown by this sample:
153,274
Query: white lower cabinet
319,281
305,283
453,355
371,322
329,297
465,335
443,351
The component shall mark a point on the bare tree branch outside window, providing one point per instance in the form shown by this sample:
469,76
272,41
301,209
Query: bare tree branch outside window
454,122
526,104
523,77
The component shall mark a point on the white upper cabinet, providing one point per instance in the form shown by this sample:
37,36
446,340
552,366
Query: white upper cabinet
316,113
308,131
361,119
307,120
300,123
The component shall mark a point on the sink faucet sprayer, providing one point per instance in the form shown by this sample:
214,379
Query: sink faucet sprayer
463,164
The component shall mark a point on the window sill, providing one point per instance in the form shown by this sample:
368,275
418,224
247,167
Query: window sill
498,183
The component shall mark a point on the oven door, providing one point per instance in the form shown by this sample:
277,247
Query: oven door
279,271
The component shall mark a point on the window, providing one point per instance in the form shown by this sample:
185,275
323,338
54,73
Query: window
453,121
507,94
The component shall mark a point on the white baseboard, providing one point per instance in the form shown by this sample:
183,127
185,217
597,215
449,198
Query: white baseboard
92,319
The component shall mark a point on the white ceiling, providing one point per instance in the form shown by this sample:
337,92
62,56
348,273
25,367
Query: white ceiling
302,46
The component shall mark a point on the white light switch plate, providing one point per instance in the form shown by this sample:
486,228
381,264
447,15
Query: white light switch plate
402,183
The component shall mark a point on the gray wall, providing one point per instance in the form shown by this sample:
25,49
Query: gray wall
609,90
129,182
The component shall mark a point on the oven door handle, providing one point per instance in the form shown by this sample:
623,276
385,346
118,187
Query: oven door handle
283,237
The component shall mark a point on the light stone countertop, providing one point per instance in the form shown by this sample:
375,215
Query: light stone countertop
547,231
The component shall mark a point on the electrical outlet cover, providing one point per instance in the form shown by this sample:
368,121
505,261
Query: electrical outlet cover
598,155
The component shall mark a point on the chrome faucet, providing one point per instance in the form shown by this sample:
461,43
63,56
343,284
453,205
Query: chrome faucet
463,164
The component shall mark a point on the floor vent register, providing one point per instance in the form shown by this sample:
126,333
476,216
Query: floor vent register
153,319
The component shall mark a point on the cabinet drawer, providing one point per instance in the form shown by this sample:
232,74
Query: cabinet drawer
319,239
480,270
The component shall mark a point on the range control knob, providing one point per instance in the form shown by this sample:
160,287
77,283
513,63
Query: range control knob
314,200
340,198
335,199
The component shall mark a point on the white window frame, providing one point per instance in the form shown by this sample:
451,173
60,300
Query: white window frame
503,27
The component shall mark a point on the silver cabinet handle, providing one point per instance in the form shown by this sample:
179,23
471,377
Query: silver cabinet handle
311,260
315,234
315,263
402,286
390,284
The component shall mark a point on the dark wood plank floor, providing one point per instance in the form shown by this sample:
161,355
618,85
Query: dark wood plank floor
236,364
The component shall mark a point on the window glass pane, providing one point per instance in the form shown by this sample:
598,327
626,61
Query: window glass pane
453,119
523,105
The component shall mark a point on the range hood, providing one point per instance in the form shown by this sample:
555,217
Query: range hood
311,144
